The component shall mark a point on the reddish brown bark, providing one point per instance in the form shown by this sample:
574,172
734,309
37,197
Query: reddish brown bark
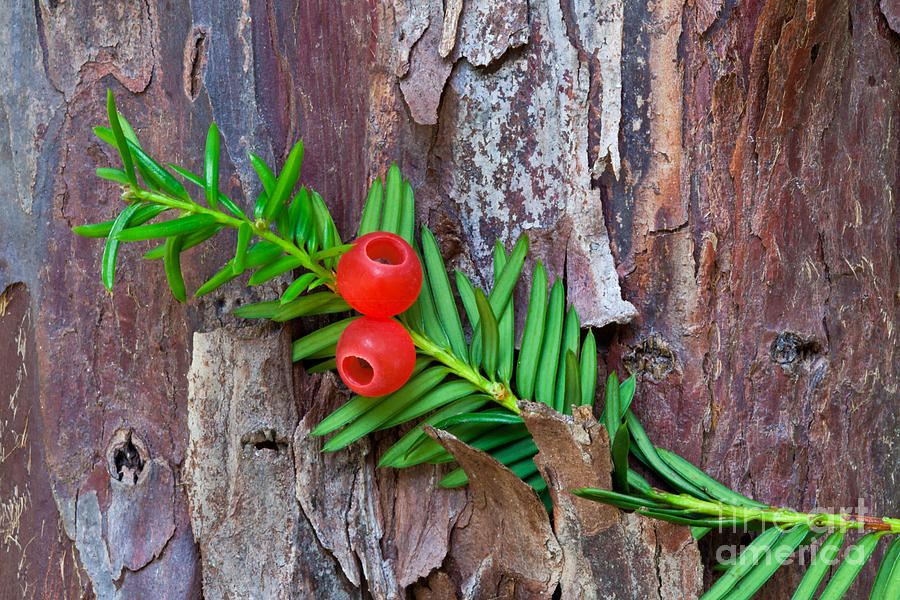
774,294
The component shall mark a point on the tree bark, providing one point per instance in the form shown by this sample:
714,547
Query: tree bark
715,180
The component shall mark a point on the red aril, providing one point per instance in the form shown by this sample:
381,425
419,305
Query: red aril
375,356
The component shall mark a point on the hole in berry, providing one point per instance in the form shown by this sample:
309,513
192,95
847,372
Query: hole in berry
385,252
358,369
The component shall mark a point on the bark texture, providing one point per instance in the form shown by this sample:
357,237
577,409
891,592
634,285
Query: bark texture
730,165
340,532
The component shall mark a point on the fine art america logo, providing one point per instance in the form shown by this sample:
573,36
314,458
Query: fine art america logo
727,554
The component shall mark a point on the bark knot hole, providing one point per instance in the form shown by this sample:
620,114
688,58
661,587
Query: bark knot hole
126,455
652,356
790,349
263,440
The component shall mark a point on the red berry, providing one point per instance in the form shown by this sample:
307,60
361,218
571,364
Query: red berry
375,356
380,276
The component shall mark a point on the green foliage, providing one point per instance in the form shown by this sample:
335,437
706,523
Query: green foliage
533,336
305,236
468,375
211,167
119,138
823,560
887,582
548,358
445,304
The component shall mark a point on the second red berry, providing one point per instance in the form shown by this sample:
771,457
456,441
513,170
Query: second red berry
375,356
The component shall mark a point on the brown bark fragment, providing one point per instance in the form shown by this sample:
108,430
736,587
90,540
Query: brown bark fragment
338,493
515,556
606,553
238,468
452,9
572,454
419,517
437,587
411,19
196,57
423,85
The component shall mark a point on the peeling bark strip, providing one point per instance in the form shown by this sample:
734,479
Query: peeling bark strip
595,28
515,138
423,85
386,532
239,472
452,8
516,160
487,29
141,517
339,495
196,55
507,517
